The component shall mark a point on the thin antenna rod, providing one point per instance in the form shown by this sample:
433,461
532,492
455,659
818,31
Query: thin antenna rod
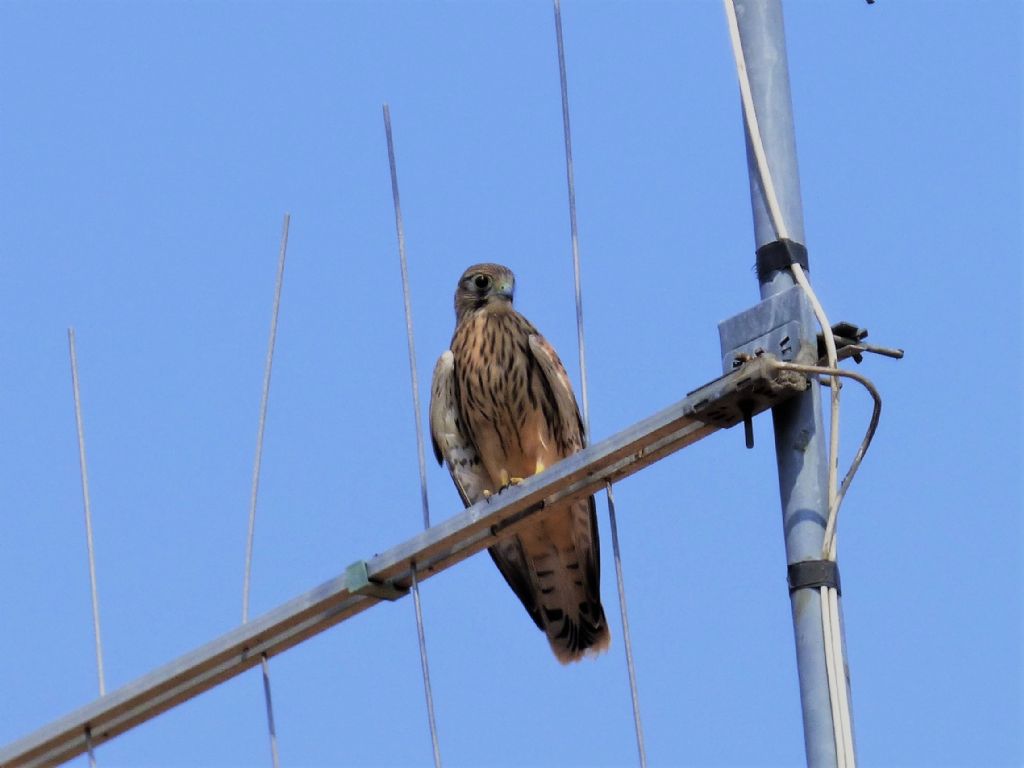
88,747
408,319
628,642
571,183
268,368
263,419
427,691
271,728
88,513
574,230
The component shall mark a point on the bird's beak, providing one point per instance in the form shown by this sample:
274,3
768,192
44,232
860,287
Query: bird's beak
505,288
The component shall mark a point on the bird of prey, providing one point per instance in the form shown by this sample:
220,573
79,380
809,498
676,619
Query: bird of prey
502,409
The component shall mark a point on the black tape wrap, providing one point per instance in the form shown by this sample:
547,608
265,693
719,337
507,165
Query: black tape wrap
779,254
813,574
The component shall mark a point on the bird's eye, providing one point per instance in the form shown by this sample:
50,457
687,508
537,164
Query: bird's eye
481,281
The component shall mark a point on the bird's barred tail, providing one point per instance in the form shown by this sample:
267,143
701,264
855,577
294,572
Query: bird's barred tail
575,633
568,582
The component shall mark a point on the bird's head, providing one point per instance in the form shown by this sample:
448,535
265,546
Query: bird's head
483,285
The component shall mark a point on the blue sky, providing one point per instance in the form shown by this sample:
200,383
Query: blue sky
148,152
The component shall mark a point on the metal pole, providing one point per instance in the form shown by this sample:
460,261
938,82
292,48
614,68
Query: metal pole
799,429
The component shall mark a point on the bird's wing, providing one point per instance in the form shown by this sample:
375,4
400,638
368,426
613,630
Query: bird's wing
452,442
577,625
569,425
508,555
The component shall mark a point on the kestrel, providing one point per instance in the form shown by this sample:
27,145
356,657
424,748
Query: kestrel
502,409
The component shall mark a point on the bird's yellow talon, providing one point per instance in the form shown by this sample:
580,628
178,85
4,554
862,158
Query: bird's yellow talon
507,480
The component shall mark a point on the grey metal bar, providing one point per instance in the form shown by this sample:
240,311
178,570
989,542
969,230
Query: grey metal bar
799,430
712,407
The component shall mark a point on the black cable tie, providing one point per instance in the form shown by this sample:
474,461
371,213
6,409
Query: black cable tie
779,254
813,574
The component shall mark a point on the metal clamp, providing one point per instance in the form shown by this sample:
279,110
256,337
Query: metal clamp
850,343
357,581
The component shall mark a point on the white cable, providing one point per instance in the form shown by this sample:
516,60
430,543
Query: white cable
876,413
827,632
839,670
834,661
828,543
834,652
782,233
